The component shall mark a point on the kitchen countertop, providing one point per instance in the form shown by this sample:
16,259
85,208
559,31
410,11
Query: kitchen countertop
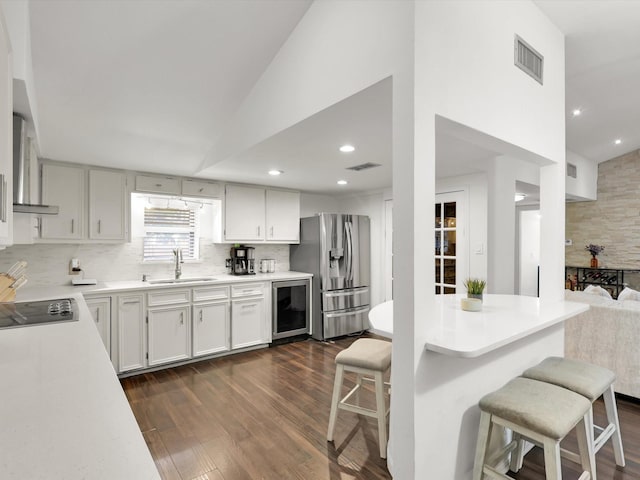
504,319
64,414
29,293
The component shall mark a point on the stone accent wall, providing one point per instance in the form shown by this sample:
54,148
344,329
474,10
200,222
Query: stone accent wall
613,220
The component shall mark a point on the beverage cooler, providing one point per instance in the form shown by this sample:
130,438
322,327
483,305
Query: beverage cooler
290,311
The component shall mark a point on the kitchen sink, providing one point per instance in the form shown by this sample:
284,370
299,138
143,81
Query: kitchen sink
169,281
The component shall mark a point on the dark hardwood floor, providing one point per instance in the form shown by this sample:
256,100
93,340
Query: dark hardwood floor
255,415
264,414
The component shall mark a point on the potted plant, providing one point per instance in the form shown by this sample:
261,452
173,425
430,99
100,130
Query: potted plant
594,250
475,287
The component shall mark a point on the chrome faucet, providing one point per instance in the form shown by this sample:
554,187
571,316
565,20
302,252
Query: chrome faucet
177,253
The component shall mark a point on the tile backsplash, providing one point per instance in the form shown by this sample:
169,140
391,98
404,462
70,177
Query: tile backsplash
49,263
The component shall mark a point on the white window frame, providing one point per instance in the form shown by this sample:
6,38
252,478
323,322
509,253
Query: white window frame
179,204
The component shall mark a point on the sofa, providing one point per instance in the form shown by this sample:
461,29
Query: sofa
608,334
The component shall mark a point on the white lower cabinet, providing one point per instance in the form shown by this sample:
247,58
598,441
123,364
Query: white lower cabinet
170,325
248,326
100,308
131,350
169,334
211,329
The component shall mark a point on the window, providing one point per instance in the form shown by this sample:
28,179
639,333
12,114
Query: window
169,228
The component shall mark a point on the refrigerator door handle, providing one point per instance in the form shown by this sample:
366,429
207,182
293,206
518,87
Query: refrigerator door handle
349,256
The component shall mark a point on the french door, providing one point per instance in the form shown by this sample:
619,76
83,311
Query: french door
450,242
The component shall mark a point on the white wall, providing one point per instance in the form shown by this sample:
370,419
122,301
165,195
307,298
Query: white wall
477,209
312,203
337,49
464,72
371,205
585,186
529,251
18,23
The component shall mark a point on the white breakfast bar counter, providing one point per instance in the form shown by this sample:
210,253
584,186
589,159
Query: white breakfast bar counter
469,354
64,414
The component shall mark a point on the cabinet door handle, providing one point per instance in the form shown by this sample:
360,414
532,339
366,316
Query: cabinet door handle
258,230
158,185
99,226
181,318
97,315
271,233
72,225
200,315
130,302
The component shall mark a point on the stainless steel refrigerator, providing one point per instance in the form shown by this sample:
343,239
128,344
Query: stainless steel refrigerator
336,249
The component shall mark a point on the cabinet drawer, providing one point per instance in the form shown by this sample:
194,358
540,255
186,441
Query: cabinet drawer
247,290
147,183
197,188
168,297
210,293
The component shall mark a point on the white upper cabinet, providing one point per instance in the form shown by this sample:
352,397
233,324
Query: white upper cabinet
6,135
153,184
197,188
64,187
244,213
105,219
283,216
256,214
107,194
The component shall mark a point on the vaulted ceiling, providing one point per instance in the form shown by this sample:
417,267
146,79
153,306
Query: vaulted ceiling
149,85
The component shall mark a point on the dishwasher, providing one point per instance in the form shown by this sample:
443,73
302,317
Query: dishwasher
291,308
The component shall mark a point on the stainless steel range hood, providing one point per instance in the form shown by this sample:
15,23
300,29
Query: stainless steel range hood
22,173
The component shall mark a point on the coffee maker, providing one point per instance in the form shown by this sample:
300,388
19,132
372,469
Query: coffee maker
242,260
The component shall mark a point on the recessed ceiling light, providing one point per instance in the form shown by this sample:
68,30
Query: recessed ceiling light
576,112
275,173
617,141
342,182
347,148
519,196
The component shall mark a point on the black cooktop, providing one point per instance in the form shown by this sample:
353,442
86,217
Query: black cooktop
24,314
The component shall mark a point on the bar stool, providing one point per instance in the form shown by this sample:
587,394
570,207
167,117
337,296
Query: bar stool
538,411
370,357
590,381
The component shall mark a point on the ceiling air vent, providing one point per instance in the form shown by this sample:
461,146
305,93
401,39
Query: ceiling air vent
572,170
528,60
364,166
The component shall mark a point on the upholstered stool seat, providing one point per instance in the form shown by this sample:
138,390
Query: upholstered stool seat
590,381
538,411
369,359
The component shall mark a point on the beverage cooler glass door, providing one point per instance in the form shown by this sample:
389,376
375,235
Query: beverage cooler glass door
291,309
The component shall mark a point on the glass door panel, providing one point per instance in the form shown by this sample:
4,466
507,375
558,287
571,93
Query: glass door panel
450,259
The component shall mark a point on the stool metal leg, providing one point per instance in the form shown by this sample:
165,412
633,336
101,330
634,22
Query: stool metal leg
381,414
612,417
337,387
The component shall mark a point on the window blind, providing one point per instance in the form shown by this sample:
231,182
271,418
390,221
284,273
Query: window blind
167,229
